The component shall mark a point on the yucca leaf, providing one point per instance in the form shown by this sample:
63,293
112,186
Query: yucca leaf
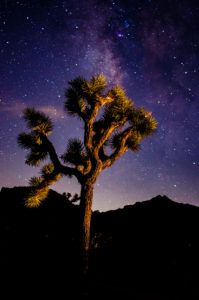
35,158
28,140
47,169
36,196
98,84
38,121
119,108
147,127
82,94
35,181
133,141
75,104
75,153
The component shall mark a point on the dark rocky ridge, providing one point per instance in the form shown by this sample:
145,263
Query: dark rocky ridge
151,245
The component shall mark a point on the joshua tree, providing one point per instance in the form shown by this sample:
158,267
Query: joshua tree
110,122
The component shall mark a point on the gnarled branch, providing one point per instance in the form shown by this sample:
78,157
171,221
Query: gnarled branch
120,150
59,168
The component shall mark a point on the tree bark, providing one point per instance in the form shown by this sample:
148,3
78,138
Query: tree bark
86,210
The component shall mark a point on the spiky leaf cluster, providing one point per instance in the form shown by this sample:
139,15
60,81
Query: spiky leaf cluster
47,170
82,94
119,108
141,125
39,186
49,174
75,104
35,181
96,85
36,196
32,142
142,122
38,121
39,125
147,127
115,141
35,158
29,141
133,141
75,153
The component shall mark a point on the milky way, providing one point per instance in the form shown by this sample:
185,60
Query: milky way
148,47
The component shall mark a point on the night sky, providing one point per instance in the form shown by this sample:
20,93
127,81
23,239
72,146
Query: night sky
149,47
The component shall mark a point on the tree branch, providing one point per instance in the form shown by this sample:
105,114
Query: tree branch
59,168
51,150
104,137
107,133
88,134
121,149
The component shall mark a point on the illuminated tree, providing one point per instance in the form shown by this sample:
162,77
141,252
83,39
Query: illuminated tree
111,122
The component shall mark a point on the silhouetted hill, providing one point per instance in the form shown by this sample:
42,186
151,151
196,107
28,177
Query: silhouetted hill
157,241
151,245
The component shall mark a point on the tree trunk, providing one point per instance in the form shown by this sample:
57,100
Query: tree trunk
86,210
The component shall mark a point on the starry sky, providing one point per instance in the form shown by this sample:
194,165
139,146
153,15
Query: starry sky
149,47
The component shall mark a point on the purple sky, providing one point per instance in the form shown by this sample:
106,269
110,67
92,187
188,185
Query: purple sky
149,47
